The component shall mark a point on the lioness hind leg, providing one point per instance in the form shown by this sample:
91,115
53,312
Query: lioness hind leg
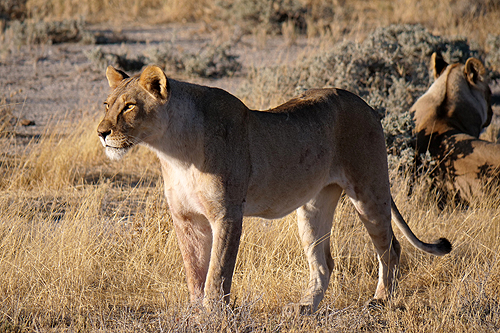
376,216
315,224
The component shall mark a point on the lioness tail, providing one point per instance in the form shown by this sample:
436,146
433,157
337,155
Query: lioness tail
439,248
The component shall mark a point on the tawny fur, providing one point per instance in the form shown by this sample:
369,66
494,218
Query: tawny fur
449,118
221,161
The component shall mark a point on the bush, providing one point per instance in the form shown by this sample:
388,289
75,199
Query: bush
13,9
100,60
269,14
166,56
67,31
493,57
213,61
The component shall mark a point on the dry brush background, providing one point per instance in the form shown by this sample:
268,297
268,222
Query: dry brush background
87,244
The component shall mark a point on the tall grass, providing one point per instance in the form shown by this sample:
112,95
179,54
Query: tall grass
335,18
88,245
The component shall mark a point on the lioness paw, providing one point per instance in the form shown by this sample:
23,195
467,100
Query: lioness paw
297,309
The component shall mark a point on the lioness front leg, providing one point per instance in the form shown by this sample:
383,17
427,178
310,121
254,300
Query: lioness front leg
194,235
226,240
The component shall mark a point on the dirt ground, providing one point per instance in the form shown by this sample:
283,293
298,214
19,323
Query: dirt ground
49,84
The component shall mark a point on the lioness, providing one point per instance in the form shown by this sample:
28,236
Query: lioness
221,161
448,120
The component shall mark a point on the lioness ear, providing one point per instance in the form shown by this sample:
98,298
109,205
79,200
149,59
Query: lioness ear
115,76
474,70
154,81
438,64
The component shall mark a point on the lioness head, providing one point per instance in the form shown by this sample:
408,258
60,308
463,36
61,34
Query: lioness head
459,101
131,109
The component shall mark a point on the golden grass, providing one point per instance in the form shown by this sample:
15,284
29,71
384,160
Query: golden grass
125,11
346,19
88,245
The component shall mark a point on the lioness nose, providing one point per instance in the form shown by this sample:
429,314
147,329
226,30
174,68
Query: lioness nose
103,133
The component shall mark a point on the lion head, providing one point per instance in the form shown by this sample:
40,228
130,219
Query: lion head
132,109
459,101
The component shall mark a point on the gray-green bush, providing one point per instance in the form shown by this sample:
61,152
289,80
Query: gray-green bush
55,32
212,61
100,60
493,56
13,9
267,14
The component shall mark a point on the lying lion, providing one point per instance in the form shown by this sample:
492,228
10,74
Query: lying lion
221,161
448,120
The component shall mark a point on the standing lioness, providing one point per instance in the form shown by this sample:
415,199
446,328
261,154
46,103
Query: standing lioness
222,161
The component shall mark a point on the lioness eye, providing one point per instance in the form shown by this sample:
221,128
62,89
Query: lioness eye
106,106
128,107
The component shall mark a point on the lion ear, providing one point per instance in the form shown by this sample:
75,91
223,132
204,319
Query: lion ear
155,82
438,64
474,71
115,76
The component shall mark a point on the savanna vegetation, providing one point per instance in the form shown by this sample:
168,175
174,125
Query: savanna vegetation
87,244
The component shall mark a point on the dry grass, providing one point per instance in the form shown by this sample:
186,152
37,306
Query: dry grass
335,18
88,245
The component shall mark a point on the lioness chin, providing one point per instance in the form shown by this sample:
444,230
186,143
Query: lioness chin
222,161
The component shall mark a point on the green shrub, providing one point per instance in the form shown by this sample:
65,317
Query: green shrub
67,31
213,61
13,9
100,60
269,14
166,56
493,56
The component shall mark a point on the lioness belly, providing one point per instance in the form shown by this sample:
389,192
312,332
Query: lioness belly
277,195
290,165
276,205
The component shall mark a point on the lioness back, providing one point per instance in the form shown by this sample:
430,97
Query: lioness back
312,137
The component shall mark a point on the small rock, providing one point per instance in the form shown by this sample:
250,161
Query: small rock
26,122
